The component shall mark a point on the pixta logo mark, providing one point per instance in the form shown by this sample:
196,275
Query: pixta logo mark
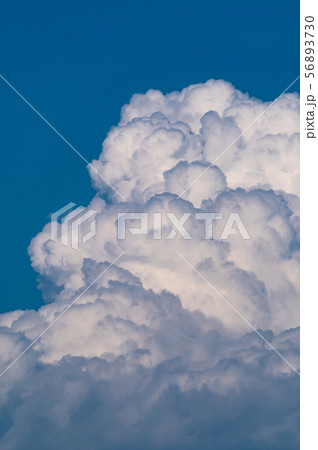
70,224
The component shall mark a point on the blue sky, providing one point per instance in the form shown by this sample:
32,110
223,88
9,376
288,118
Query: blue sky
165,343
78,63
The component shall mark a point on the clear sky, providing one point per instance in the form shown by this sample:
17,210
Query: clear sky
79,62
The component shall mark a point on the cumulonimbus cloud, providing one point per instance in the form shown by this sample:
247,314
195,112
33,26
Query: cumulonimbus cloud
150,352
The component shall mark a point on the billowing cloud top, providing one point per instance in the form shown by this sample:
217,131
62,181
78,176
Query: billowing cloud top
150,356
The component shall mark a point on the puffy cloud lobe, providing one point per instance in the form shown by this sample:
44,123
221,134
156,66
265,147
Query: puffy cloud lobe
150,356
157,131
212,182
161,376
242,270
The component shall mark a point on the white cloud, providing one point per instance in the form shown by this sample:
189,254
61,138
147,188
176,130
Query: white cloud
150,352
198,124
